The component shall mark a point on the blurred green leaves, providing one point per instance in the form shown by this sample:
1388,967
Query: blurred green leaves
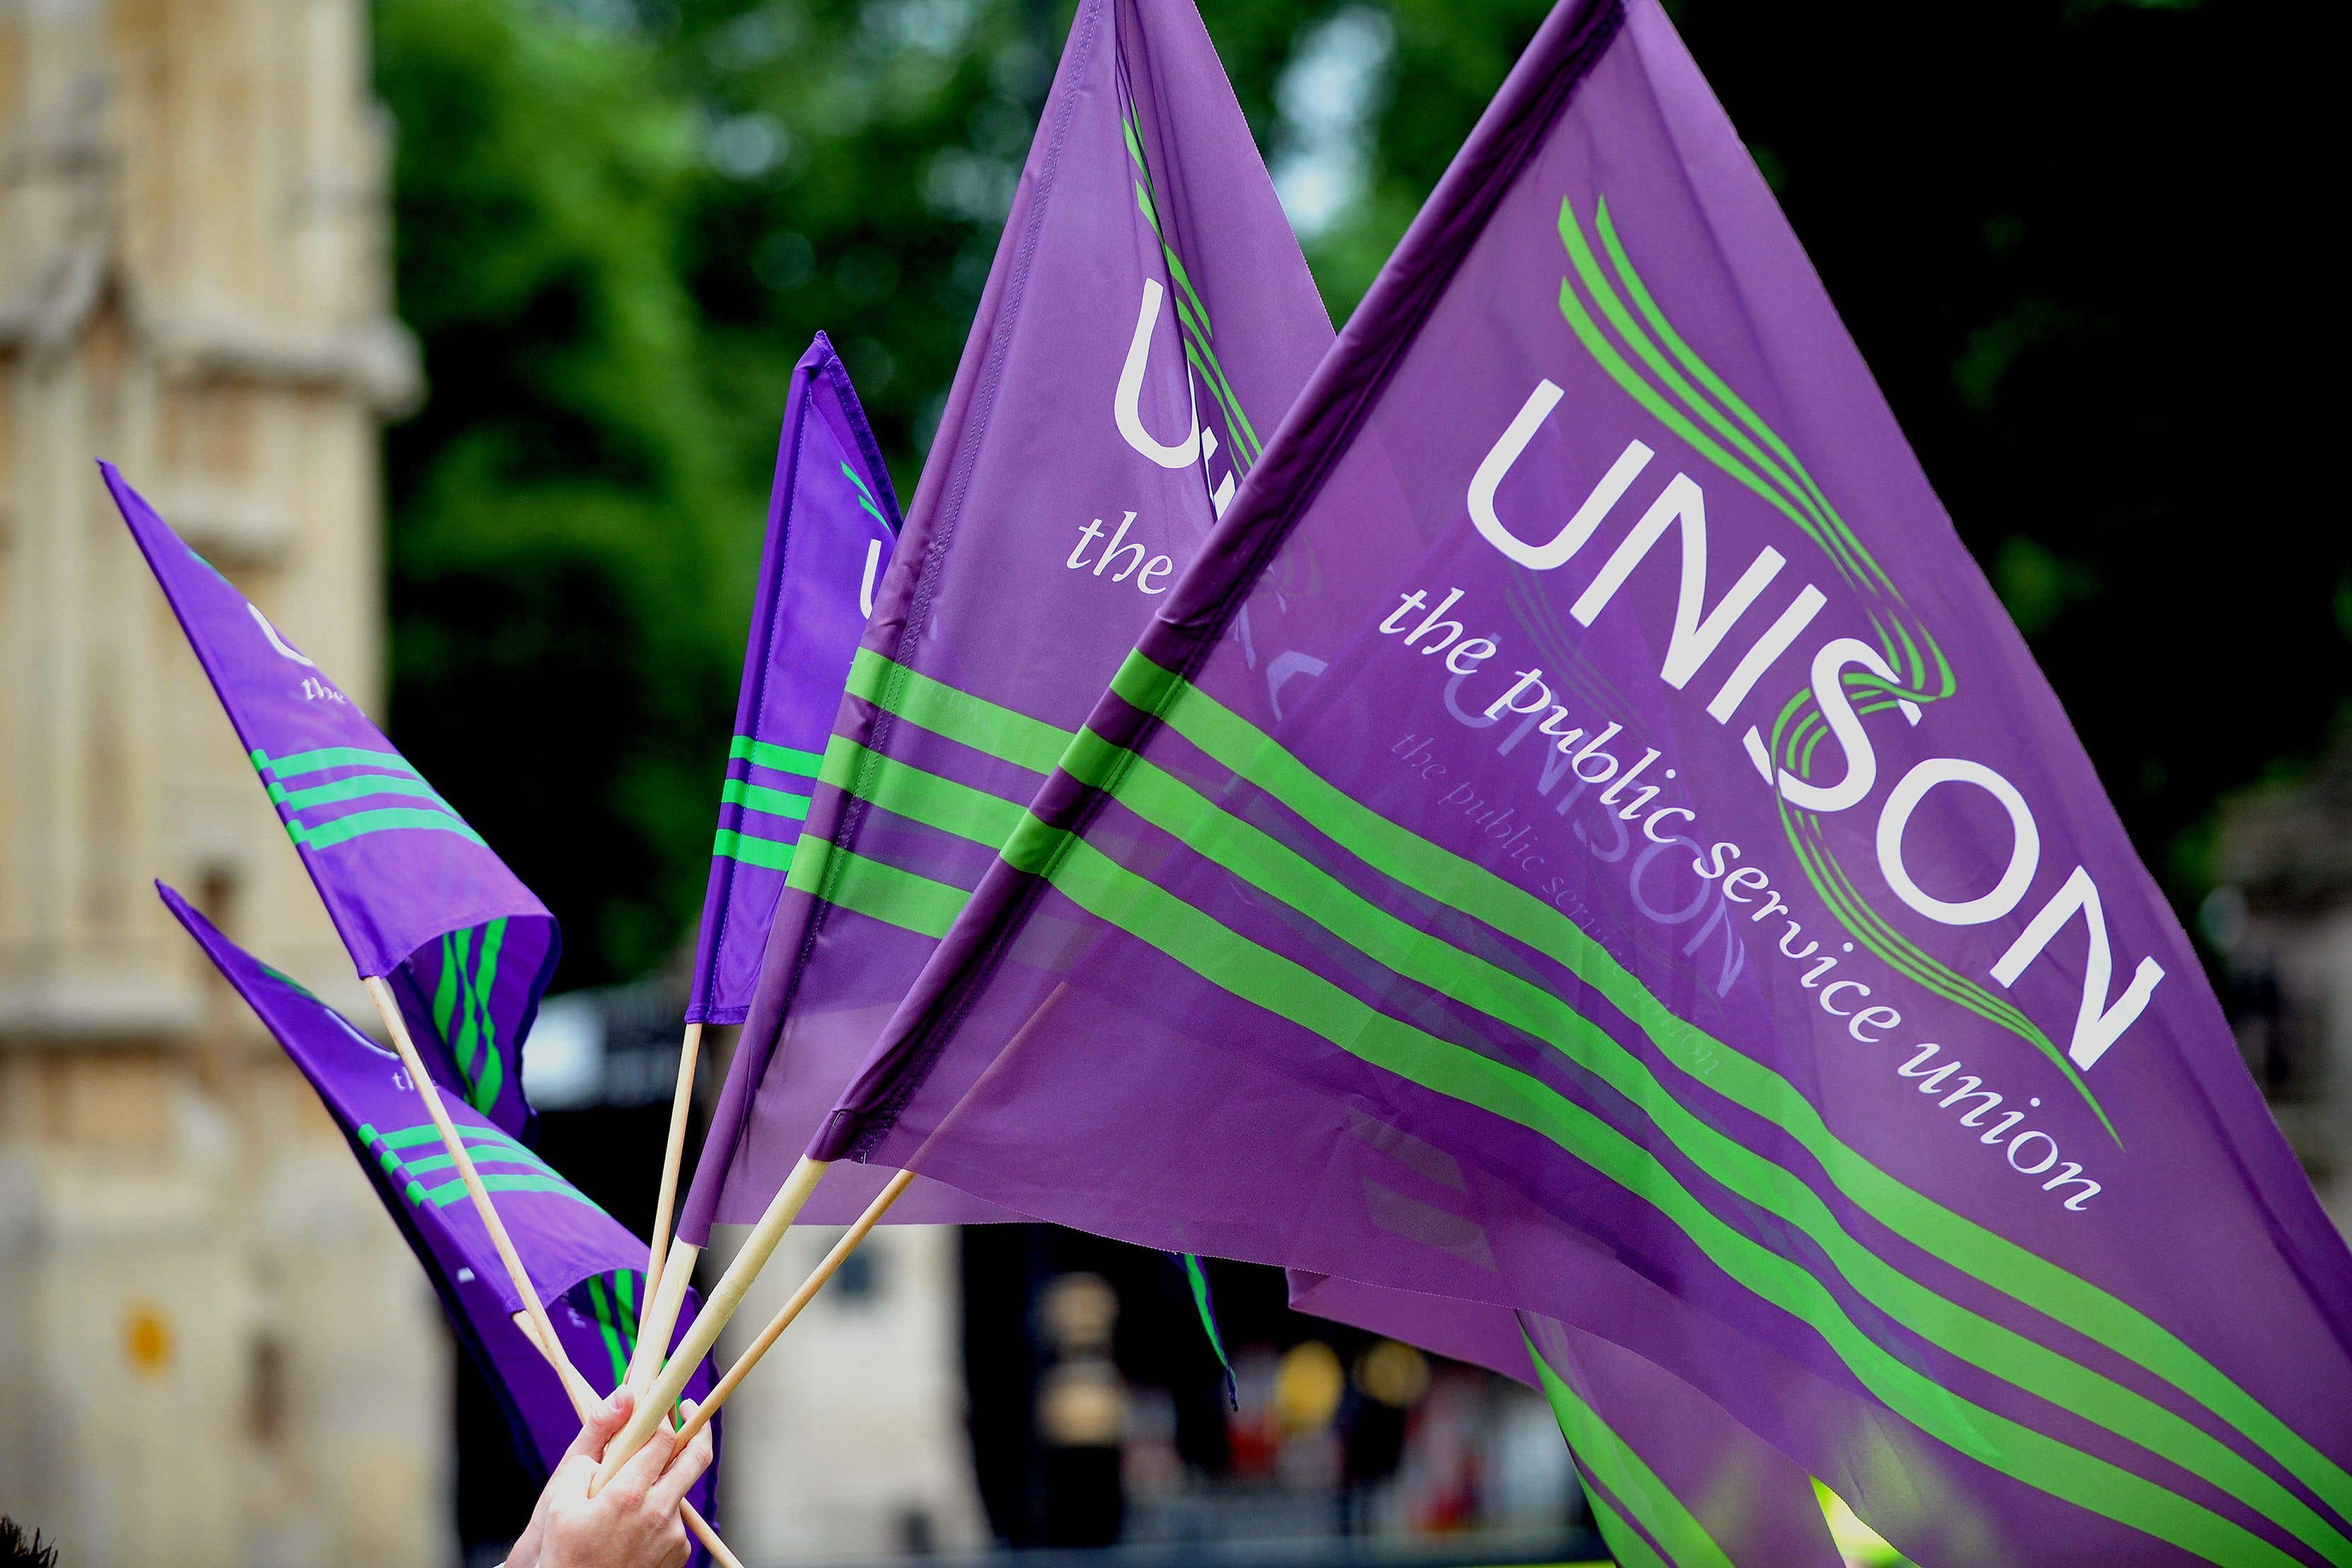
568,501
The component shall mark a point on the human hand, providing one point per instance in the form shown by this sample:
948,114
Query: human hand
596,1429
634,1522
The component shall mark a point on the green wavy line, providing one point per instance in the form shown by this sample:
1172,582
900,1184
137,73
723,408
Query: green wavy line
1832,532
1832,540
1822,523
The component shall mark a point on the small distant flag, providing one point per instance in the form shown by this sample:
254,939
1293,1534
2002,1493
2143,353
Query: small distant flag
833,520
417,896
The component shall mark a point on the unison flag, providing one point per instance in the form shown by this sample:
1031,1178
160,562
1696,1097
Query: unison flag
833,519
417,896
589,1267
1671,1478
1148,319
1678,907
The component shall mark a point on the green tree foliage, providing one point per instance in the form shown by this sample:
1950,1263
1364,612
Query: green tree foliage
566,507
619,222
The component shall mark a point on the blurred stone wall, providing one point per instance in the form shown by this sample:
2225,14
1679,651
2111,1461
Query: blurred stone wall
851,1443
216,1350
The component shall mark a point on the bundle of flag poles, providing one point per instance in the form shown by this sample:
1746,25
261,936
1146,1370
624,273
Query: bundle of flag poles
1523,814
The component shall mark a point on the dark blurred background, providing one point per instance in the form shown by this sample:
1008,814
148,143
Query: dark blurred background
2062,233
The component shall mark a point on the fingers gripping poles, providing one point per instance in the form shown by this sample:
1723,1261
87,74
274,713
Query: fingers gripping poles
583,1401
533,1319
724,1299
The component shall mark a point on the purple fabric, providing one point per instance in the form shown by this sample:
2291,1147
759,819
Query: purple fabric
1730,954
417,895
588,1268
1659,1461
1148,318
833,519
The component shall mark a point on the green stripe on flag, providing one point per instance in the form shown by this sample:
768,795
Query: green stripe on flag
1401,854
482,984
613,1345
445,990
933,704
325,757
864,496
1627,1549
752,850
759,798
360,824
487,1146
424,1132
448,1192
426,1164
766,754
454,948
929,798
1406,857
877,890
625,1296
1199,942
359,786
1630,1480
1197,1279
1521,1004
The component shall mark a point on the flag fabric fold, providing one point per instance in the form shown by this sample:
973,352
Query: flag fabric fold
1147,320
1665,898
833,520
589,1267
1670,1478
417,896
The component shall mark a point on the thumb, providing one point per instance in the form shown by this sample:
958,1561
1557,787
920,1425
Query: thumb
600,1424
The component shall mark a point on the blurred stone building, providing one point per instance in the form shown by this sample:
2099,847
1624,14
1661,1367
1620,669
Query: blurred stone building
216,1350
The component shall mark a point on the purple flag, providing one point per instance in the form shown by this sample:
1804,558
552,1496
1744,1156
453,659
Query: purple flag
417,895
1670,1477
588,1267
1676,906
1148,319
833,519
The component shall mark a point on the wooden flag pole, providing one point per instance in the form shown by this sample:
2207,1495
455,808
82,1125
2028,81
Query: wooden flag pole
800,1299
585,1398
427,1091
681,1106
725,1298
841,1250
659,1321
